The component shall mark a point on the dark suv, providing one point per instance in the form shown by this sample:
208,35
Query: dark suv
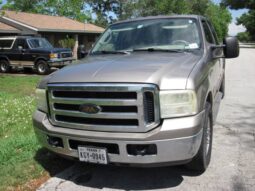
31,52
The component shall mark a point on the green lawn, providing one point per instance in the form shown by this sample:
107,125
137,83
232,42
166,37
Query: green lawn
23,163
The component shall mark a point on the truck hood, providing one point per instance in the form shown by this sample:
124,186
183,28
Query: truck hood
50,50
167,70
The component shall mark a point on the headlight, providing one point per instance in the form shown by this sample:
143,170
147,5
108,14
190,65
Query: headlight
41,100
177,103
53,55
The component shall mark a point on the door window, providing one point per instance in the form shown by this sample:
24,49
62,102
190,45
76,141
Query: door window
214,33
22,43
208,33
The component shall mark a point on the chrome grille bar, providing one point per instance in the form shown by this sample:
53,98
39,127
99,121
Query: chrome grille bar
121,121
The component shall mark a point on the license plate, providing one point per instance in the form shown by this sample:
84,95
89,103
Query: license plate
92,154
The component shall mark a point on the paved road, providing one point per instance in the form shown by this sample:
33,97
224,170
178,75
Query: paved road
233,157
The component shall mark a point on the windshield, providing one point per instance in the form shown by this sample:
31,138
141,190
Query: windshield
161,34
39,43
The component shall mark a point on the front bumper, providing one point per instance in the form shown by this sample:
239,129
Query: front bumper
176,140
58,62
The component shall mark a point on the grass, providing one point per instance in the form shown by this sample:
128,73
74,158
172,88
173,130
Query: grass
24,164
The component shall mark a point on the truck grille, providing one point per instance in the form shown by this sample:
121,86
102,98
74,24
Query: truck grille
123,107
66,54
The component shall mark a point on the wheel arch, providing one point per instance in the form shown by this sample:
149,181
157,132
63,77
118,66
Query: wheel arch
39,59
209,99
4,58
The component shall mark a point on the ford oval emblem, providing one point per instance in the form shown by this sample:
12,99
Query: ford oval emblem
90,108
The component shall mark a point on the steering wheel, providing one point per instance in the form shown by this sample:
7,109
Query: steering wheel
181,42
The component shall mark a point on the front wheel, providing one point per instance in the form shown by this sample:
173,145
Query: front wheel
42,67
202,159
4,66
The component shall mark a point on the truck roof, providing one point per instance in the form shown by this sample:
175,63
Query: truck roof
161,17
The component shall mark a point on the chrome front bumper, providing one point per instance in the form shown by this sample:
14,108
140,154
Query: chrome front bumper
60,61
176,139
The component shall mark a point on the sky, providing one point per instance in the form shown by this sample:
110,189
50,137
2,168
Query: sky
233,29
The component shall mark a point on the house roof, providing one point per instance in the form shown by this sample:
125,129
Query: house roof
46,23
4,28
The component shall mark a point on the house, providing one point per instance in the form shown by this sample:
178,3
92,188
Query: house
53,28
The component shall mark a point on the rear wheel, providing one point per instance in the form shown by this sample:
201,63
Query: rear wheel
42,67
202,159
4,66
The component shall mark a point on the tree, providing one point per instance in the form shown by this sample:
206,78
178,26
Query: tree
248,20
220,18
243,37
104,10
239,4
73,9
32,6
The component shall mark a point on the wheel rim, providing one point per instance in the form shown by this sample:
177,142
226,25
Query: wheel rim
4,67
208,136
41,68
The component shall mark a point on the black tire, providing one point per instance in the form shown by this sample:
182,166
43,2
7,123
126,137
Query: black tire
4,66
222,87
42,67
202,159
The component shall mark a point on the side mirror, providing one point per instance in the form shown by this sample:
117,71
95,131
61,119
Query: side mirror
231,49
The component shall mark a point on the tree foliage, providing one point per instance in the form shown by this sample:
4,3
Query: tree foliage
243,36
73,9
67,43
247,19
220,18
239,4
32,6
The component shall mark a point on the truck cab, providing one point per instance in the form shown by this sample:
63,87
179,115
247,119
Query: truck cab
31,52
147,94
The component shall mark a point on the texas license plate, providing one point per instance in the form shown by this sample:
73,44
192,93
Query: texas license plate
92,154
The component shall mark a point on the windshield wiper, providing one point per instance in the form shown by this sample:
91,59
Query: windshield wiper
111,52
159,50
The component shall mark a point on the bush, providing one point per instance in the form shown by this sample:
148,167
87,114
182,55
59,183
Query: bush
67,43
244,37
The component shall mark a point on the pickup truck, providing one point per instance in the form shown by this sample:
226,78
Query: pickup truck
147,94
30,52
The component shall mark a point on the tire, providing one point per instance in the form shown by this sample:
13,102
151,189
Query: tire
42,67
222,87
4,66
202,159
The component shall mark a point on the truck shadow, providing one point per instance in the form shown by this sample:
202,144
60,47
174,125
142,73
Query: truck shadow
130,178
112,177
51,162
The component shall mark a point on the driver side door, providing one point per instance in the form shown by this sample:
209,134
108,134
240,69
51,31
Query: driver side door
26,58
